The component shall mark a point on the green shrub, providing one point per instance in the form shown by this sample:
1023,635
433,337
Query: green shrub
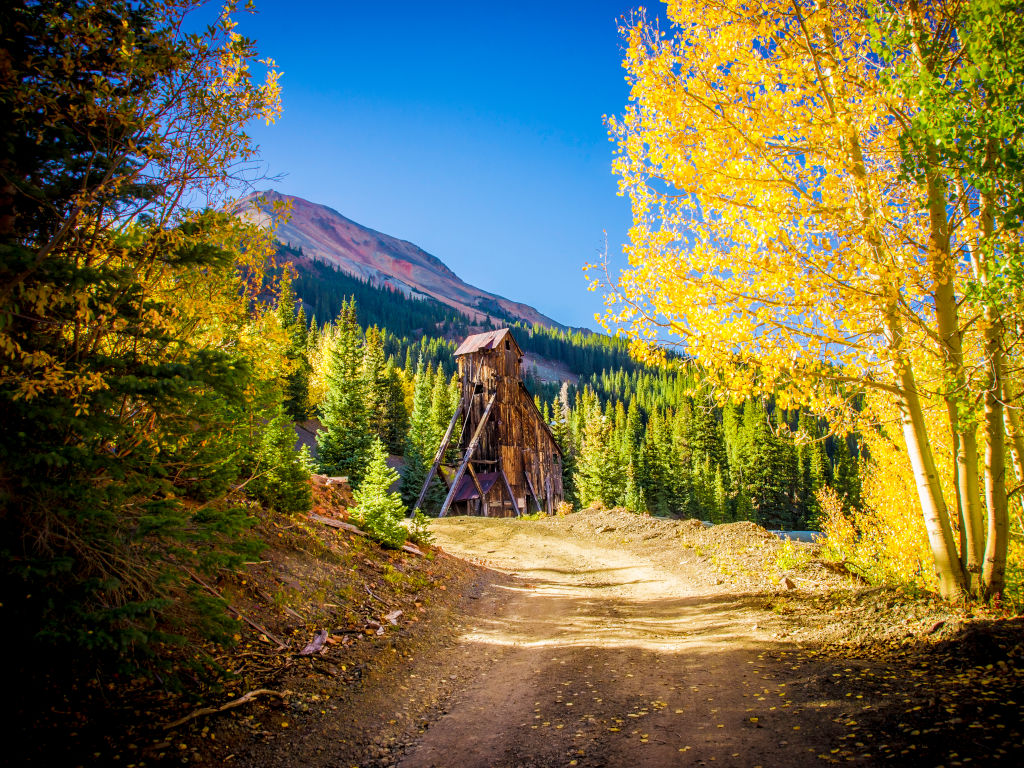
419,529
379,511
281,478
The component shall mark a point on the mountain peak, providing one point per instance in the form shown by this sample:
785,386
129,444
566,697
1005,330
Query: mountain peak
322,234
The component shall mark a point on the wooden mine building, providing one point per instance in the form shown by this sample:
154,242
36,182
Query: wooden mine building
509,462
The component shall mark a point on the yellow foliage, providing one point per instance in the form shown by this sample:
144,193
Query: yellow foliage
1014,594
885,540
778,240
319,358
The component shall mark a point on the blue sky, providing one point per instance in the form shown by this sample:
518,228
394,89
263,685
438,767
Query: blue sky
474,131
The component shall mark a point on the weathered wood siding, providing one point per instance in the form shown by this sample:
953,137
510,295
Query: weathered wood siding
516,439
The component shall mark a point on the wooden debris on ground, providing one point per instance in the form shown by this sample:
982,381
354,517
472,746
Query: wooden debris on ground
244,699
254,624
412,549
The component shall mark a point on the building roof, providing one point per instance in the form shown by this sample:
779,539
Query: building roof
489,340
467,490
305,435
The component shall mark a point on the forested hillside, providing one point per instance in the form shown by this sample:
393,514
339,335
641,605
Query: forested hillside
409,319
828,264
644,438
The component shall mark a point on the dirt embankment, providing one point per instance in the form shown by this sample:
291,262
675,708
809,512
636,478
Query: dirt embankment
597,639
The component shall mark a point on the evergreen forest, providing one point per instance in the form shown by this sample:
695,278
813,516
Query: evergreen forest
649,439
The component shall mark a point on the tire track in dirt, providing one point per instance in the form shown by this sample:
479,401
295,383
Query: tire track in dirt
612,655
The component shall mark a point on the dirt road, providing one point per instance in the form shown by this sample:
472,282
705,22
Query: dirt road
606,653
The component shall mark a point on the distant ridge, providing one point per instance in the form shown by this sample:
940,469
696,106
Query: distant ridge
321,234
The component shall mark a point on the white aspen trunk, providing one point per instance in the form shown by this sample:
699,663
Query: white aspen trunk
943,273
994,570
996,539
948,568
1012,419
946,315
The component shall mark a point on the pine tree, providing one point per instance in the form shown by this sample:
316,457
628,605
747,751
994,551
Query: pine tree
375,384
705,434
561,429
656,467
846,479
344,441
418,451
281,477
396,417
294,325
312,335
440,410
812,469
632,439
769,469
596,469
633,497
454,397
378,510
703,505
682,465
721,510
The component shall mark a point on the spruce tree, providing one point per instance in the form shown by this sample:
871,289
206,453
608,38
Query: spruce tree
396,417
846,479
440,411
769,469
722,513
375,384
562,432
281,477
378,510
812,473
656,467
633,496
294,325
418,451
596,469
454,396
682,464
344,441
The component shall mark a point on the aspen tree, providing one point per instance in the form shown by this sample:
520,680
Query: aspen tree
778,237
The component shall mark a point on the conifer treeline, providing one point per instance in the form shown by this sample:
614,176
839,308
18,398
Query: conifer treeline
633,437
663,451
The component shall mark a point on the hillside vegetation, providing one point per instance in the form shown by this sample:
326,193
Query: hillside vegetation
838,282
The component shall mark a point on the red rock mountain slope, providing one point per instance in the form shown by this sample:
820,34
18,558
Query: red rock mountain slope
325,235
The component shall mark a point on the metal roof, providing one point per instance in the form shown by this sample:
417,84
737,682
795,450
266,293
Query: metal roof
467,490
478,341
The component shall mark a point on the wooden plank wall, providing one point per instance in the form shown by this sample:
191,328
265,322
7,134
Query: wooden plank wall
515,439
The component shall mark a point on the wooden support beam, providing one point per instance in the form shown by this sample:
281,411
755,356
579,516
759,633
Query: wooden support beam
529,484
437,459
469,455
508,490
533,493
479,489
